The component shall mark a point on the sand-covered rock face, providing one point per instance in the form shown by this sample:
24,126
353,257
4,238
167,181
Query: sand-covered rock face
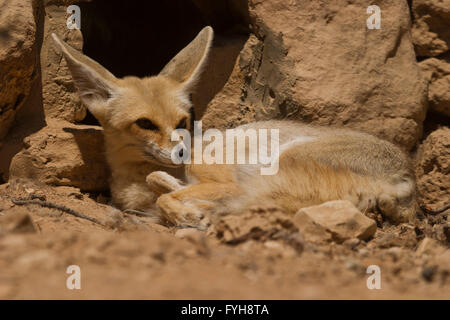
59,94
437,72
433,169
63,154
304,60
431,38
298,59
18,59
308,60
431,29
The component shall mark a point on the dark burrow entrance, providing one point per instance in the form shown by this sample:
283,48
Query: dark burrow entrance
138,37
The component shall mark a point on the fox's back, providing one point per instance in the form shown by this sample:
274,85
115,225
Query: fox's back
360,152
318,164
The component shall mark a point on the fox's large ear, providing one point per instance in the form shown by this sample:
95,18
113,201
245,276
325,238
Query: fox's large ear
95,84
187,65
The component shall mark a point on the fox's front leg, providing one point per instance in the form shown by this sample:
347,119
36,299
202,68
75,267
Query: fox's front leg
189,206
135,197
161,182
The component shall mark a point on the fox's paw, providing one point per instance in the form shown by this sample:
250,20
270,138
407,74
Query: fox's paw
161,182
183,214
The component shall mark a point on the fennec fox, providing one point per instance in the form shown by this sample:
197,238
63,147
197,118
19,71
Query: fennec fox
316,164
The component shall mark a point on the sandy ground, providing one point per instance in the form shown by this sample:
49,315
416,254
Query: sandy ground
129,257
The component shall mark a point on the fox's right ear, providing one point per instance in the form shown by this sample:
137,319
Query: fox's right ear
188,64
95,84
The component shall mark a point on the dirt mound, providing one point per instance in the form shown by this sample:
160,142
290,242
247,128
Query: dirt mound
260,254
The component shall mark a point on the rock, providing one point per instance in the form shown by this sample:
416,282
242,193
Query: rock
340,218
437,73
230,108
431,28
17,57
16,220
64,154
59,94
261,224
433,169
297,68
395,238
430,247
311,230
217,74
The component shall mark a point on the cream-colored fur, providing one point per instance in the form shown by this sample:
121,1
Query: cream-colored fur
316,164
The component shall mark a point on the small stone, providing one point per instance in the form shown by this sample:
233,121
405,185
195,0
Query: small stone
341,219
312,231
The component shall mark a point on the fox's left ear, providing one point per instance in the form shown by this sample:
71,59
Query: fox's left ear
95,84
188,64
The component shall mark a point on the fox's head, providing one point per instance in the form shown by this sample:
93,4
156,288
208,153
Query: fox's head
139,114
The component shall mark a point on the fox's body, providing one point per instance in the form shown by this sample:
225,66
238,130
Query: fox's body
316,164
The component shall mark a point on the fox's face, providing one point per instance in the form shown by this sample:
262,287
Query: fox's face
141,114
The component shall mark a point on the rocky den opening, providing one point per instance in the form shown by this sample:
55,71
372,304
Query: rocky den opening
138,38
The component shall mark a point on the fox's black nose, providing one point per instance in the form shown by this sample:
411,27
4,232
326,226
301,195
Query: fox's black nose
180,153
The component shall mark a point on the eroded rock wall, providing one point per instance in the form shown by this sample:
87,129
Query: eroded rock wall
314,61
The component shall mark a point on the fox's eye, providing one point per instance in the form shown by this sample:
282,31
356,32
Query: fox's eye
182,124
146,124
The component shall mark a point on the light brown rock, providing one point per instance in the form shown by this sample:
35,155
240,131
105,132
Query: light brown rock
59,94
340,218
311,230
431,28
437,72
260,224
319,63
64,154
433,170
17,57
